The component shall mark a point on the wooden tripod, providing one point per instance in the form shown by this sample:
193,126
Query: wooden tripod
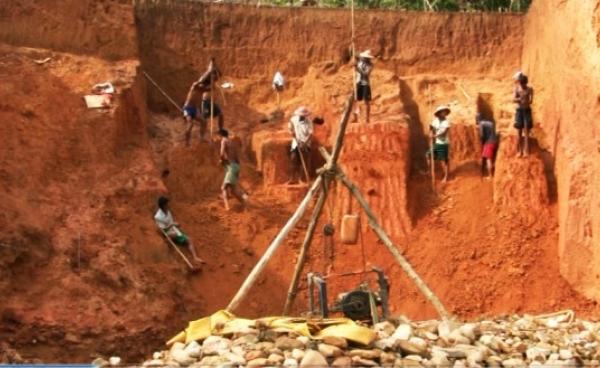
329,172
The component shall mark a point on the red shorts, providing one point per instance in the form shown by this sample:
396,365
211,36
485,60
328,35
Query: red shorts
489,151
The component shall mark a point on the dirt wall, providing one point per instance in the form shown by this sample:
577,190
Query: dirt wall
563,62
103,28
180,36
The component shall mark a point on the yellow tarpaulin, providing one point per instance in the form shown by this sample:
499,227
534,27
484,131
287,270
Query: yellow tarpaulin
225,323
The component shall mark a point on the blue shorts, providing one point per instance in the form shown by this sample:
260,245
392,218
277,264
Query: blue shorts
190,110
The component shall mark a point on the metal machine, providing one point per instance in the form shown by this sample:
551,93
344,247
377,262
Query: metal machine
359,304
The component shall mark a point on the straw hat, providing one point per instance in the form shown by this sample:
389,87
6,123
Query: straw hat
366,54
440,109
302,111
517,75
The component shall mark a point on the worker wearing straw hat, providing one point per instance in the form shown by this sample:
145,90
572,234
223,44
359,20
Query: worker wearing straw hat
364,67
439,132
301,128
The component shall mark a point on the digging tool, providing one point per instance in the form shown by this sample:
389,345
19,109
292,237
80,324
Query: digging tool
432,142
191,267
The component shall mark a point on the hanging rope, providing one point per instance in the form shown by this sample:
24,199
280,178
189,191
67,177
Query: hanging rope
353,50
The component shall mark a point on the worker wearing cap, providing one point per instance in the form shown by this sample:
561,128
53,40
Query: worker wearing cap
166,224
439,133
364,67
301,128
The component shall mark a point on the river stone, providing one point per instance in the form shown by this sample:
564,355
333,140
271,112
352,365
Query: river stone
330,351
361,362
387,358
415,345
114,361
234,358
513,363
212,361
290,362
259,362
245,340
403,332
255,354
340,342
384,329
213,345
182,357
193,349
439,359
287,343
565,354
264,345
298,354
313,359
101,362
365,354
343,361
152,363
275,359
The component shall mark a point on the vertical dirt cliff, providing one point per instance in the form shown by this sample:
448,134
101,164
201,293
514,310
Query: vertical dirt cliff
563,62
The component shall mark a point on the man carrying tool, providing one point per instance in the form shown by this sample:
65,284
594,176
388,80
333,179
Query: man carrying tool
439,133
301,128
229,158
523,117
209,108
190,111
489,144
364,67
166,224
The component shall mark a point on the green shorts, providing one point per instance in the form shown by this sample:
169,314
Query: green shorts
178,236
180,239
232,172
441,152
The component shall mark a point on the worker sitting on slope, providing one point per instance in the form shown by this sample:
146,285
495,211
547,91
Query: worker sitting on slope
301,128
166,224
439,133
489,144
190,111
229,157
364,67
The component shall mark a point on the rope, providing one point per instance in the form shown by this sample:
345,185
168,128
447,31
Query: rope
353,51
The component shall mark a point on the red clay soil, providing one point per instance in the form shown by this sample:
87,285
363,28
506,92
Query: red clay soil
82,268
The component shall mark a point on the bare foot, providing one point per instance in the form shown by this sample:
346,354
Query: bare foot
199,260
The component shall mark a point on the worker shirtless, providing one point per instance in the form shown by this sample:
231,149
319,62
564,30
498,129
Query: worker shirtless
190,111
229,157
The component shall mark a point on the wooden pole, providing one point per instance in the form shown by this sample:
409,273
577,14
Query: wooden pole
162,91
331,163
403,262
185,259
259,267
303,162
212,106
432,142
291,295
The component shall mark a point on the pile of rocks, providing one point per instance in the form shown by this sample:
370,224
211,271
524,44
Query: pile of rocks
517,341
